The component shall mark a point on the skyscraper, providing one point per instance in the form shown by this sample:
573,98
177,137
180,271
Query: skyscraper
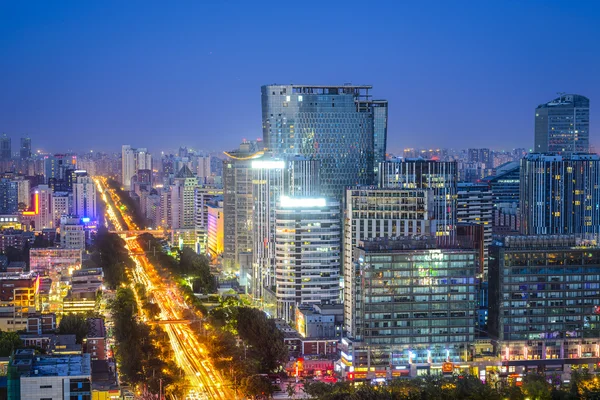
308,240
5,148
237,207
84,198
267,188
560,194
562,125
340,126
133,160
474,206
25,150
379,213
439,176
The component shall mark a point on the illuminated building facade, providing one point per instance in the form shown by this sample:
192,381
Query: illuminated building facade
560,194
377,213
237,208
204,195
18,299
475,205
267,188
183,199
439,176
215,227
543,298
41,216
84,198
414,308
307,253
340,126
47,261
563,125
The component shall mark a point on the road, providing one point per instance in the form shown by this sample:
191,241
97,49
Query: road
189,352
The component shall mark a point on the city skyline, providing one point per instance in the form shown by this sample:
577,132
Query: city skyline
157,72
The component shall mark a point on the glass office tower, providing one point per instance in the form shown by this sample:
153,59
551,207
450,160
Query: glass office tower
340,126
563,125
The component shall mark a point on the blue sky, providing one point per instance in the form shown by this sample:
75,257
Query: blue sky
86,75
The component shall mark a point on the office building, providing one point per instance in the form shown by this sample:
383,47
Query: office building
414,308
9,196
40,216
267,188
72,235
18,299
34,377
475,206
84,199
307,253
61,205
5,148
183,199
23,191
25,150
563,125
302,177
237,207
377,213
340,126
543,293
439,176
215,227
560,194
204,195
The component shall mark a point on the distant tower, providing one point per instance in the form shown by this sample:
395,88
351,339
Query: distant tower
25,151
562,125
5,148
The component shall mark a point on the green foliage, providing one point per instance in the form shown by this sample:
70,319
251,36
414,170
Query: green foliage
264,340
74,324
9,341
110,253
141,357
257,386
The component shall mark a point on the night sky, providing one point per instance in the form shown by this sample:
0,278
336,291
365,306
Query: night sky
87,75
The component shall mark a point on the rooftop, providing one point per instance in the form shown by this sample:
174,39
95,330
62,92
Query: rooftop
96,328
65,365
548,241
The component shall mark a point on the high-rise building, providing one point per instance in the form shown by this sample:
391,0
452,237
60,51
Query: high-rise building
5,148
72,235
378,213
302,177
340,126
41,215
475,205
439,176
267,188
9,196
414,307
133,160
25,150
203,196
563,125
84,198
215,228
560,194
307,255
237,206
61,205
183,199
543,293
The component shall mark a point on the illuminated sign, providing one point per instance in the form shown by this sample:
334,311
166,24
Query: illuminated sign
289,202
447,367
268,164
85,220
37,206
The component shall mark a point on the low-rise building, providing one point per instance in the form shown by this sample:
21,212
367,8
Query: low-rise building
34,377
95,341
